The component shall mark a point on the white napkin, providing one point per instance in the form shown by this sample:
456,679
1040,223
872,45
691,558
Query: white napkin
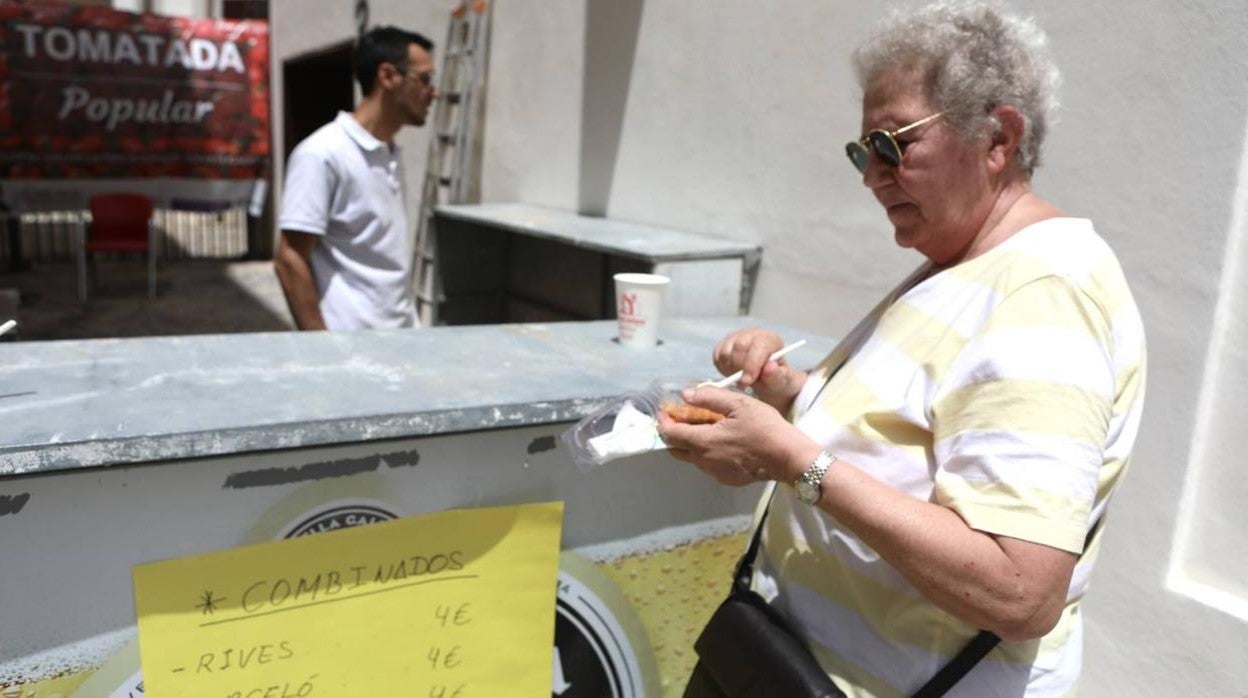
633,432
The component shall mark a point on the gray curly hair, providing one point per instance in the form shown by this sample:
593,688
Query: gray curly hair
971,56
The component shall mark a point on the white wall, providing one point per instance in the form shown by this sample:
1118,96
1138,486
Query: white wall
1142,88
729,118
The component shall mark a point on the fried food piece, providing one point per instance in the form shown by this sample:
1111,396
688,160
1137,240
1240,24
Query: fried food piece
690,414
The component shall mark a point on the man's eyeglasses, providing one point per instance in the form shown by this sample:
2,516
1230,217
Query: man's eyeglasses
884,143
425,78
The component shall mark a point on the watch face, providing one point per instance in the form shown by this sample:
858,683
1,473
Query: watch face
807,492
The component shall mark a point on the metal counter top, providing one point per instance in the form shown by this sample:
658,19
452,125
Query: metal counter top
78,404
636,240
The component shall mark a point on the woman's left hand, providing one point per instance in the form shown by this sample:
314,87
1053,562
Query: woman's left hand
753,443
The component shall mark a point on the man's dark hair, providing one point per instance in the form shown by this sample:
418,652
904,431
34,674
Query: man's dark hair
384,45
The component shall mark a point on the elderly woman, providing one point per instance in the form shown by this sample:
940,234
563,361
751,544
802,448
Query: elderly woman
946,468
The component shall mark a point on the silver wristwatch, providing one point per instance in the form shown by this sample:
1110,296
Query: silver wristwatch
809,486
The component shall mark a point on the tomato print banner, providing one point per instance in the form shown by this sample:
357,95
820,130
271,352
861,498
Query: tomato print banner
89,91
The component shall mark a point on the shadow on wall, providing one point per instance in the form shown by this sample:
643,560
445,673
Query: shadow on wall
611,31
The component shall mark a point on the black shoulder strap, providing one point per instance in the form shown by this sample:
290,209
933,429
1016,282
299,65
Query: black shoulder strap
745,566
979,646
963,662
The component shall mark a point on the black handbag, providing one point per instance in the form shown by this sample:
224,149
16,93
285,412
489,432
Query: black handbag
747,650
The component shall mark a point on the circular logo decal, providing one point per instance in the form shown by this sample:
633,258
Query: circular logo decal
600,647
338,515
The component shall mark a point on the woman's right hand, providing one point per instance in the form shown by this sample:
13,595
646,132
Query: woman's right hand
774,382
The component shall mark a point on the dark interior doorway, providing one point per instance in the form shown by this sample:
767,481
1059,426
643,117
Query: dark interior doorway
244,9
316,86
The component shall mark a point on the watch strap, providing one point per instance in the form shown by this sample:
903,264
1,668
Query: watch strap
813,475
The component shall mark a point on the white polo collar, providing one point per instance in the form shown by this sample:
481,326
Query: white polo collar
359,134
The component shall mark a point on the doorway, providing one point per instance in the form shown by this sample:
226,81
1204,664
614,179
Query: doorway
316,86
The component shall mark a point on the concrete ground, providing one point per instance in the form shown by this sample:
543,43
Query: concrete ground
193,297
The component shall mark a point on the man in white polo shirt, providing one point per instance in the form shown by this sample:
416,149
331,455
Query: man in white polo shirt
345,255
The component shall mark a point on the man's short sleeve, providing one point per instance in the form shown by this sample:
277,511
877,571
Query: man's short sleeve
1021,417
310,182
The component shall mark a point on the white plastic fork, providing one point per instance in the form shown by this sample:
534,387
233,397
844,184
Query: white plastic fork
775,356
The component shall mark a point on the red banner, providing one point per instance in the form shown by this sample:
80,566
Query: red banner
88,91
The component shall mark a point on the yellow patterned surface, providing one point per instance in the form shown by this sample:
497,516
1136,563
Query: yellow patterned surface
59,687
674,592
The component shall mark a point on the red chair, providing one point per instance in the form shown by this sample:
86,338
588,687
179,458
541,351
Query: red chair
119,223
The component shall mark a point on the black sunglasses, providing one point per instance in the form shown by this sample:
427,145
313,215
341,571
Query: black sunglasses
883,142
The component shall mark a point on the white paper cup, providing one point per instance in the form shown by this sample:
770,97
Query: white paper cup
639,308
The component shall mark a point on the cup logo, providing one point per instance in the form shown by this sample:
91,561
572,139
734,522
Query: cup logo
628,304
639,305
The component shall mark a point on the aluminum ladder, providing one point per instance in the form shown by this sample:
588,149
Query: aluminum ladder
451,145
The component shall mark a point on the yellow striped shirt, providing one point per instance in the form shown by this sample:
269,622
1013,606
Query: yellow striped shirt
1007,388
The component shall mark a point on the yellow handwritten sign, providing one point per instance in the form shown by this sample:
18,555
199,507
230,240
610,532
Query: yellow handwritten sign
453,604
